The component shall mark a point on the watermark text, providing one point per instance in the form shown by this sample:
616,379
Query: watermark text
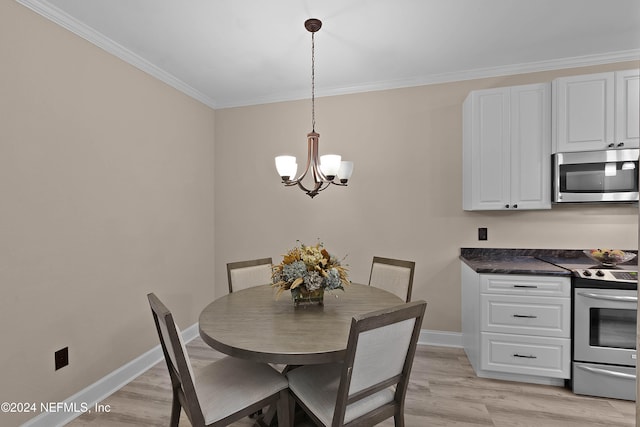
53,407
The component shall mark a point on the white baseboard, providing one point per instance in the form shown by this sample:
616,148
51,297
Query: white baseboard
532,379
98,391
101,389
440,338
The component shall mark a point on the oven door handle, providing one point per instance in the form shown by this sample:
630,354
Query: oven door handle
609,297
621,375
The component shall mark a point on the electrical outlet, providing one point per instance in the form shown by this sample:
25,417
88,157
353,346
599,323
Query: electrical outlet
61,358
482,233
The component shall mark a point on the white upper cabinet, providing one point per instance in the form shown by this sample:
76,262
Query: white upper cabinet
531,146
506,148
596,111
627,110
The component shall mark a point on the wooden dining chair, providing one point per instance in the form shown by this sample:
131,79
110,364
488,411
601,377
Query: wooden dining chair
246,274
393,275
371,384
221,392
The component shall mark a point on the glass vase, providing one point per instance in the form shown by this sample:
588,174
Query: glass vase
304,297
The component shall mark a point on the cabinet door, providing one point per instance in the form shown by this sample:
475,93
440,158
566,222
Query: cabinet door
627,109
584,112
531,146
486,163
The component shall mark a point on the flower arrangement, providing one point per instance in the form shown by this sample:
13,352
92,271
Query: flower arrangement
307,269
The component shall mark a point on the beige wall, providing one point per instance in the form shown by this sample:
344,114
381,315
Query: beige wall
405,198
106,194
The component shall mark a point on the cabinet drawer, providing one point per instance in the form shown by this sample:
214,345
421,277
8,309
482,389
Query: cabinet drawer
528,355
514,284
546,316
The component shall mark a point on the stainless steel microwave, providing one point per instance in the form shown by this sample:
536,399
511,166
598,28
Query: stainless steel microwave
596,176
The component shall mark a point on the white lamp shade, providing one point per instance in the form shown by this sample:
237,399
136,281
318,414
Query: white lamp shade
345,171
628,166
330,164
610,169
286,166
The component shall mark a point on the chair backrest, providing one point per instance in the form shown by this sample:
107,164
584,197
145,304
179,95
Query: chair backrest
246,274
380,353
393,275
178,363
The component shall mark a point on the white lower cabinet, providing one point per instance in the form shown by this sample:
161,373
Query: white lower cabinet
517,327
514,314
528,355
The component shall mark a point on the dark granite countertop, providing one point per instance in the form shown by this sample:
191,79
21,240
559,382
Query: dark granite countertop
550,262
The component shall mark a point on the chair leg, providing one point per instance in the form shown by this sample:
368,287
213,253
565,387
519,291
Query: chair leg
285,413
256,414
270,414
399,420
175,411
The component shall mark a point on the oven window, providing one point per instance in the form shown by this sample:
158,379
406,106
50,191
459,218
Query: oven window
612,328
603,177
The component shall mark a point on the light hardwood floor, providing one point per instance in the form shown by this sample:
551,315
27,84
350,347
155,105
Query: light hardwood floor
443,391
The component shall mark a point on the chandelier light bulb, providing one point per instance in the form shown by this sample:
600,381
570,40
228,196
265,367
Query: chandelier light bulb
287,167
329,165
345,171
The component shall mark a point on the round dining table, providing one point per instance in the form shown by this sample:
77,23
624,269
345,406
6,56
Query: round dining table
255,324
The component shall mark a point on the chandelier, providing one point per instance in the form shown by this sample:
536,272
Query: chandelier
324,169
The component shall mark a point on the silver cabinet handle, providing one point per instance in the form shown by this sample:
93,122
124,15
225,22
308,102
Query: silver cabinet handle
607,372
525,356
608,297
525,316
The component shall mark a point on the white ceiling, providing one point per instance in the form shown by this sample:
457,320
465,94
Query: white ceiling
241,52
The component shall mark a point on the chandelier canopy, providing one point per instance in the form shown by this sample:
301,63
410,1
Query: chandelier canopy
324,169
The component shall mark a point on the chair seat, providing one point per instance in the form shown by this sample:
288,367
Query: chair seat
317,388
228,385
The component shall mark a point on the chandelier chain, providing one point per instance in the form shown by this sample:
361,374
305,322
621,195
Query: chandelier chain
313,83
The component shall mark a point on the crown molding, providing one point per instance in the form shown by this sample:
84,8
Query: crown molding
478,73
66,21
503,70
54,14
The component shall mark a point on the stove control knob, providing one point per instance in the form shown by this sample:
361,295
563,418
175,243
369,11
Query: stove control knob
586,273
599,273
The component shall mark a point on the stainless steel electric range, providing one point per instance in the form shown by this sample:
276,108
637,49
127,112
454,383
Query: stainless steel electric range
605,305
